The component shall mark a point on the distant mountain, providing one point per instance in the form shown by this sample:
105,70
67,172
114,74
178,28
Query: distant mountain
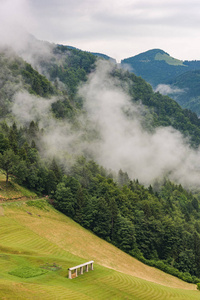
157,66
180,78
185,89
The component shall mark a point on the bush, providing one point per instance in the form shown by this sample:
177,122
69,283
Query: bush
198,286
27,272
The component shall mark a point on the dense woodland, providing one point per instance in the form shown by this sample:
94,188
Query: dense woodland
158,224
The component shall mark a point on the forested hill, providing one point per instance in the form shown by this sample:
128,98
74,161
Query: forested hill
156,66
185,88
173,77
51,136
67,68
163,110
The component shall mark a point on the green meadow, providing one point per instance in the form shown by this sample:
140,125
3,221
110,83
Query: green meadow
38,244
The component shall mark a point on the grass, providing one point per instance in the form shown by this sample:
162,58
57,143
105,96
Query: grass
39,244
46,240
168,59
13,191
41,204
27,272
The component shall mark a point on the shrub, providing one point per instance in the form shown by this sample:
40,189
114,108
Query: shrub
27,272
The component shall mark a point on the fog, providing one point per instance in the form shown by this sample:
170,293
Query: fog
124,144
17,22
166,89
112,133
27,107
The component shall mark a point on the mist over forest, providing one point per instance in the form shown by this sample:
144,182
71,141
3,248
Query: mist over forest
112,154
110,129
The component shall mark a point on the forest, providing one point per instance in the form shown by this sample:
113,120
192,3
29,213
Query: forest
158,223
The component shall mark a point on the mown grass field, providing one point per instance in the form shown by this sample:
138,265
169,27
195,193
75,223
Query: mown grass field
39,244
168,59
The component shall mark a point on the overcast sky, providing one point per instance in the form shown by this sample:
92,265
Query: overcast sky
118,28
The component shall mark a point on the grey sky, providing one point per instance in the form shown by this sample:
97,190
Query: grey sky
117,28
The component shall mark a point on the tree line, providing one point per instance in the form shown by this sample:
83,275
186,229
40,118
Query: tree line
160,226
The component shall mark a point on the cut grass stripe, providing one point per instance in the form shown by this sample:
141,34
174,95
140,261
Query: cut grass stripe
31,241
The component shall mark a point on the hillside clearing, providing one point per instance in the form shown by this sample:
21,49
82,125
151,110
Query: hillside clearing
61,230
31,237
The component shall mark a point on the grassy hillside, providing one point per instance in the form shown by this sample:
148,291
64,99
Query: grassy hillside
40,243
13,191
168,59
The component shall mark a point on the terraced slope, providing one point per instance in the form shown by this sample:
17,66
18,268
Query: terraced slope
35,238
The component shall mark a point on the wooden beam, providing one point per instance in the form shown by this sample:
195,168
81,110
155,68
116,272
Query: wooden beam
81,268
82,265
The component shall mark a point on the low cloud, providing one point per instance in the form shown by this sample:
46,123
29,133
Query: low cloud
27,107
118,29
112,133
58,139
124,144
16,22
166,89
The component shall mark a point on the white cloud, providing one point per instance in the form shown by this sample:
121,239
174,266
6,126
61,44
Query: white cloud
27,107
110,137
15,19
166,89
124,144
117,28
122,28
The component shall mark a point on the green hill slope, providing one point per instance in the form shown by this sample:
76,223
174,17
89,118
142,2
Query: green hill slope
41,243
155,66
158,67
